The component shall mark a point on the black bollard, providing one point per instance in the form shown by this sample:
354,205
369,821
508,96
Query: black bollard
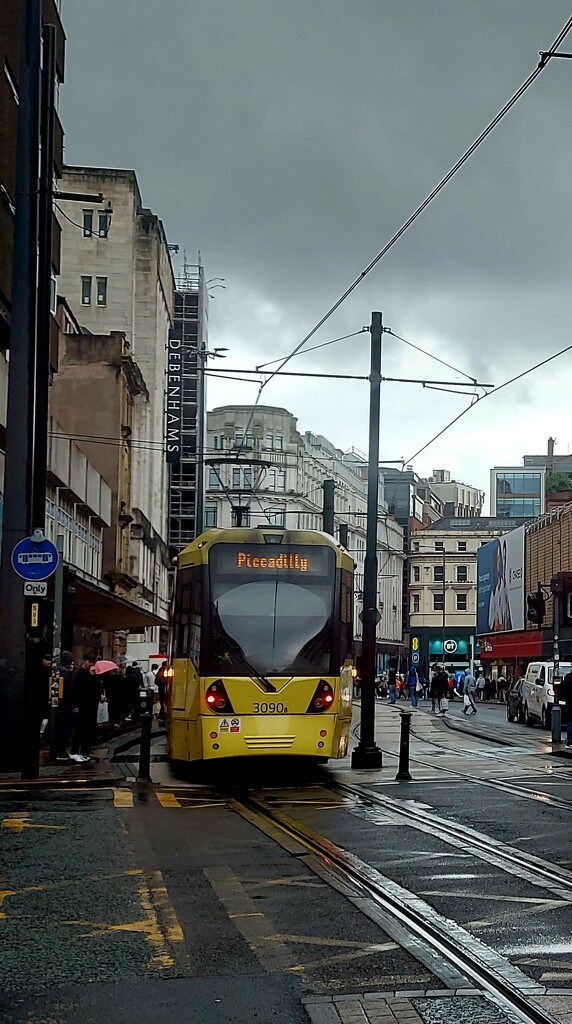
404,775
146,703
556,723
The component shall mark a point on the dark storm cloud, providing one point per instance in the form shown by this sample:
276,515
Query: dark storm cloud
288,140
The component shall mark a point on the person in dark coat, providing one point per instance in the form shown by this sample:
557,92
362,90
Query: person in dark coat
64,721
440,687
161,684
85,691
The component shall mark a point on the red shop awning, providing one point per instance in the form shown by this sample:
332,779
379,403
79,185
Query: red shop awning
511,646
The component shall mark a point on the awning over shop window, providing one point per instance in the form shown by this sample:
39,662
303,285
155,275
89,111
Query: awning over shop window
99,608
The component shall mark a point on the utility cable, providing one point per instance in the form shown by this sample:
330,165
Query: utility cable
545,58
481,398
314,348
430,354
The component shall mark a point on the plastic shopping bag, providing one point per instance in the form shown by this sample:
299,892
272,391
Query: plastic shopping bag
102,713
443,704
466,701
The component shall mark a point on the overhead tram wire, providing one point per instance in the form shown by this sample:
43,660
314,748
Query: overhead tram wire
480,398
544,60
431,355
334,341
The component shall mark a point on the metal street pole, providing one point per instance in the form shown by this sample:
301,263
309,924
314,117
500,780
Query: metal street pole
367,754
201,418
444,626
21,398
55,695
328,524
343,534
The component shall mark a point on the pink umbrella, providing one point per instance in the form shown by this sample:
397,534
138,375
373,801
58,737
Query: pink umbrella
101,667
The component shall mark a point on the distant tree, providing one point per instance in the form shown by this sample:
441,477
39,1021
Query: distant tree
558,482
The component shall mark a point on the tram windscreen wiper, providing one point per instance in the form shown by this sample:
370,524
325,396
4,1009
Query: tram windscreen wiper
233,651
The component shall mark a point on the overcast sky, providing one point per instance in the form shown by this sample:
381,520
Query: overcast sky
288,139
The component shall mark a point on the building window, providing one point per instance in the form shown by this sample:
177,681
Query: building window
277,516
461,602
103,225
438,573
214,482
415,603
102,291
236,478
272,479
248,477
249,441
461,545
210,516
243,515
416,574
269,441
439,545
86,291
415,545
279,442
438,602
87,223
281,480
462,574
238,439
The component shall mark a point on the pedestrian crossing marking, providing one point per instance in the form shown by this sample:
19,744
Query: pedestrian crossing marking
167,799
122,798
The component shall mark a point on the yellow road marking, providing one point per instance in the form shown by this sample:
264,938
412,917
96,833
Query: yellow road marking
159,926
19,824
167,799
122,798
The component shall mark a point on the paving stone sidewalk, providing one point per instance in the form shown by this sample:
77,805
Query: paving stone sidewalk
463,1006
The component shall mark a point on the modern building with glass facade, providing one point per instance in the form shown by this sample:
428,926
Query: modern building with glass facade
517,491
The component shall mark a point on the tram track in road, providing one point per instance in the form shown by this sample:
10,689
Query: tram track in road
451,953
534,870
498,784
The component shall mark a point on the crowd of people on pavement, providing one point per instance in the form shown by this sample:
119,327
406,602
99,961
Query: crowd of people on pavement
441,686
98,693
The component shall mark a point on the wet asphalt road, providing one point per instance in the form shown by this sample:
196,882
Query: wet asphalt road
152,904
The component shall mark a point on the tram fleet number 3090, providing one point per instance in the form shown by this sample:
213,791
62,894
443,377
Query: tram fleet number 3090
270,709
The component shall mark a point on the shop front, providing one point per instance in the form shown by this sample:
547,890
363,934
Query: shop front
508,654
457,649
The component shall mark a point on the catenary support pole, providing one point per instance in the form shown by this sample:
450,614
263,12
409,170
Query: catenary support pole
344,535
328,524
367,754
17,518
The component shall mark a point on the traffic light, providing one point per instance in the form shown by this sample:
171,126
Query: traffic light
536,608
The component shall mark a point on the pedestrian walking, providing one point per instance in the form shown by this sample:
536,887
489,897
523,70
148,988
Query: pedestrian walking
412,684
441,689
64,720
161,682
133,683
565,695
480,686
432,690
85,691
469,692
392,685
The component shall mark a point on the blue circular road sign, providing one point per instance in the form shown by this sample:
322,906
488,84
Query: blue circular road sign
34,560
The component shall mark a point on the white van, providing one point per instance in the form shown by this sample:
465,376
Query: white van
538,691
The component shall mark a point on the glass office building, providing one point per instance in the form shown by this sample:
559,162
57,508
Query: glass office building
517,491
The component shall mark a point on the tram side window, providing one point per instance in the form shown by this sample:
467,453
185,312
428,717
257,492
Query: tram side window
346,615
187,626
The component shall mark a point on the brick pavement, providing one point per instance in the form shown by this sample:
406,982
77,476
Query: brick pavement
463,1006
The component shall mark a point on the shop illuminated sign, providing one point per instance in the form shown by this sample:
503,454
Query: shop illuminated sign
290,561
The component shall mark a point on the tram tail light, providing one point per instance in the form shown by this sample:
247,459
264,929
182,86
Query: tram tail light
323,698
217,700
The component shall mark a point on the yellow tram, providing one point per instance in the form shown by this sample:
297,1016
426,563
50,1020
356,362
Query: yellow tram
262,641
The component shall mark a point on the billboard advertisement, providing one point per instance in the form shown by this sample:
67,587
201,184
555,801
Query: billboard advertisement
500,584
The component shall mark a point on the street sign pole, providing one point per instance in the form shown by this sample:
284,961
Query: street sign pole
15,667
55,694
